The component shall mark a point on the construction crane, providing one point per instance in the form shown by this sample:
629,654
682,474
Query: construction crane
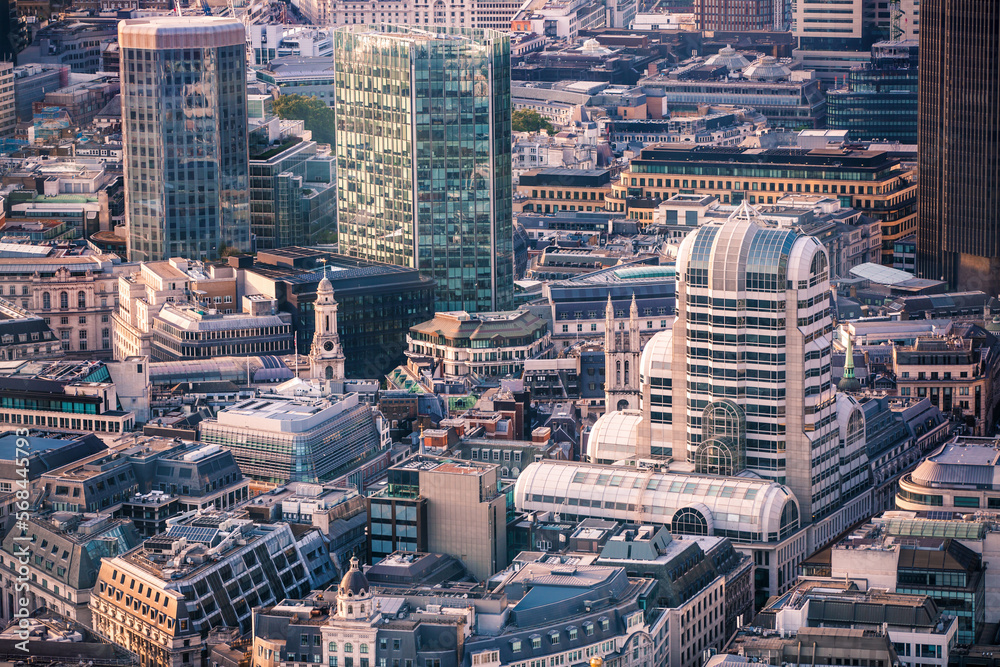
244,18
895,20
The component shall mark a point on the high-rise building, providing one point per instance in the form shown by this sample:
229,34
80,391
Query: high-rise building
184,113
8,113
879,102
958,232
424,156
443,506
732,15
743,381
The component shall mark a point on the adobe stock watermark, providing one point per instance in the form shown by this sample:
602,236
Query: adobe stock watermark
22,543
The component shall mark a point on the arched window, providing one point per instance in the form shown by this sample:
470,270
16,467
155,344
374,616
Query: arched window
789,519
63,299
348,646
81,299
46,300
329,372
623,404
689,521
327,326
626,373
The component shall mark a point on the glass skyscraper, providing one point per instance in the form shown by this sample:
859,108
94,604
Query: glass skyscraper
184,117
424,156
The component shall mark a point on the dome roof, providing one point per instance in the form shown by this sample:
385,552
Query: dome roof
593,47
325,285
729,57
849,384
767,69
354,583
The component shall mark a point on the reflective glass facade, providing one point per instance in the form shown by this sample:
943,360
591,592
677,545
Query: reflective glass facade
880,100
424,156
184,114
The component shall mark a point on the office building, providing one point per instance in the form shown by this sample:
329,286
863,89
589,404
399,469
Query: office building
311,76
940,568
785,432
178,309
8,110
740,16
187,188
959,373
897,434
752,646
32,81
921,632
943,481
25,336
560,19
73,290
958,236
430,188
69,548
75,44
197,476
458,344
786,97
206,572
578,304
293,195
832,39
340,513
571,611
561,189
376,303
49,450
703,584
873,182
61,396
280,440
442,505
879,100
759,516
82,101
268,42
456,14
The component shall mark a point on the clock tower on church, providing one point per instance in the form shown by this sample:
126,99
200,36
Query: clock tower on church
326,358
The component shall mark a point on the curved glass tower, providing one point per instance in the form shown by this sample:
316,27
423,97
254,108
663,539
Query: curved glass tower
184,120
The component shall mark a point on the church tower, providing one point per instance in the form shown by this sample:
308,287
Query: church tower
622,350
326,358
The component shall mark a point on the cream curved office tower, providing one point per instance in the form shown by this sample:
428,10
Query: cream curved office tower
184,121
424,157
743,380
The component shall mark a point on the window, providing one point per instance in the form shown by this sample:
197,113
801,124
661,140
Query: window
64,300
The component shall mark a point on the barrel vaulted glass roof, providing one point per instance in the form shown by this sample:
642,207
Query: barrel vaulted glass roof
744,508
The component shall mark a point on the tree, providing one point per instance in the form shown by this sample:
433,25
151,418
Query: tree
317,115
527,120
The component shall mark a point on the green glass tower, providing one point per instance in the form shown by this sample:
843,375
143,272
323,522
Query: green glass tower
424,156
